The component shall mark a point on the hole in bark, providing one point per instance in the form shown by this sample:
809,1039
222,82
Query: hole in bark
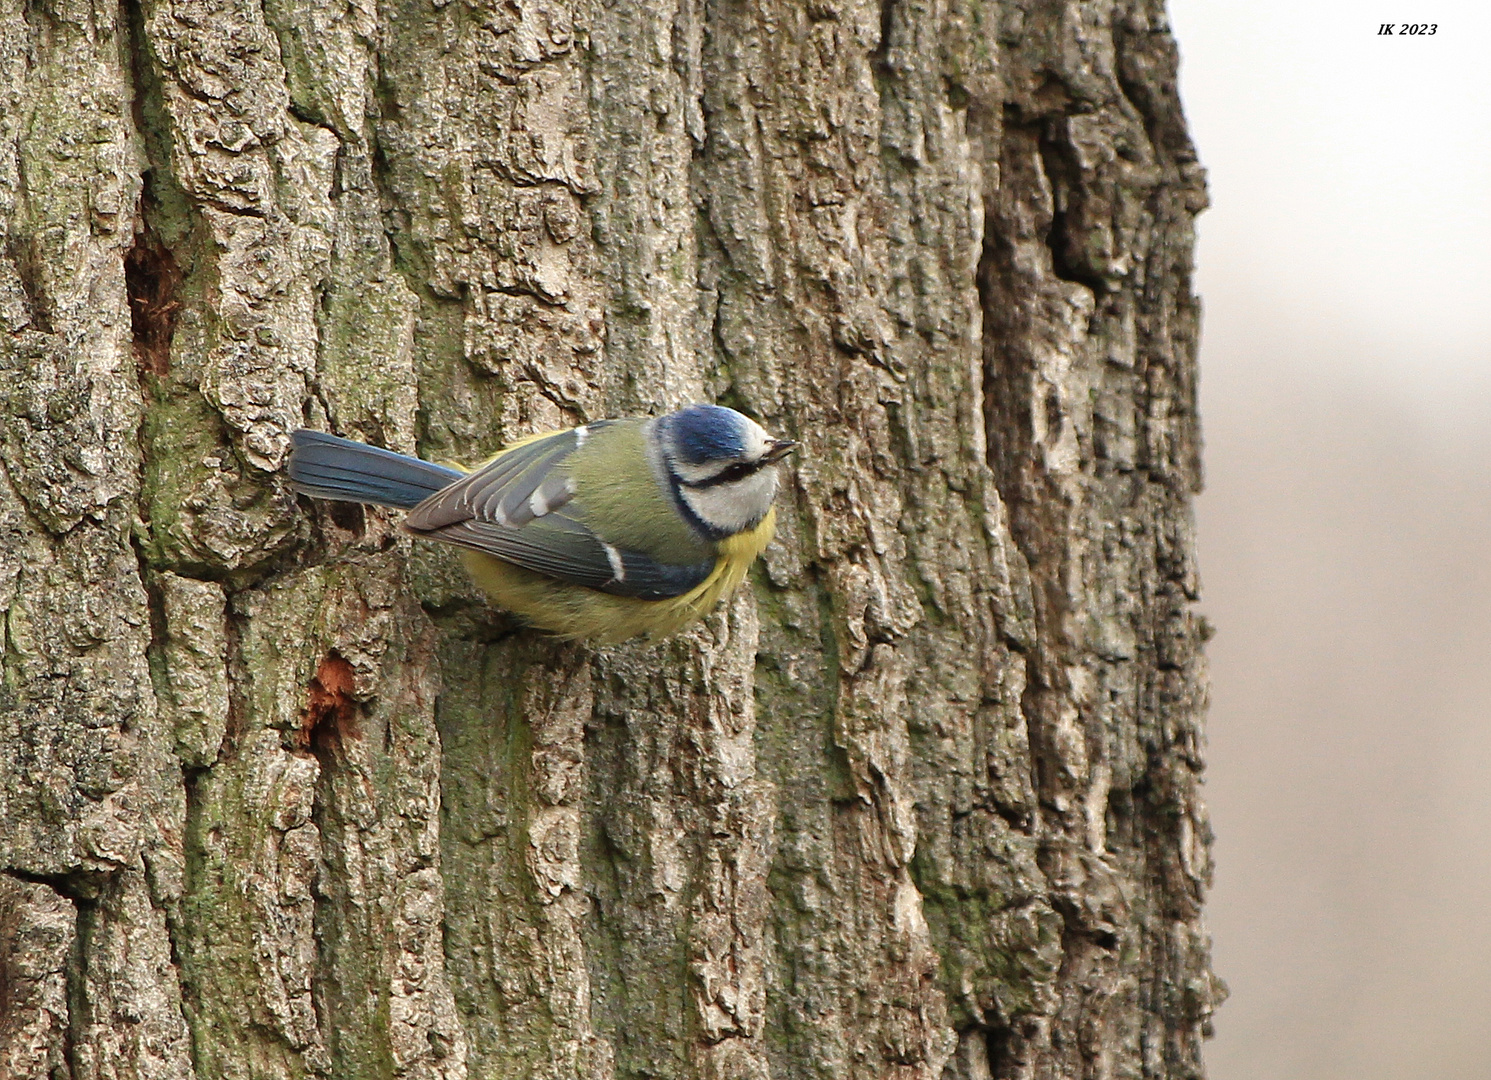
1015,816
347,516
1069,188
1063,242
958,97
330,714
151,278
997,1040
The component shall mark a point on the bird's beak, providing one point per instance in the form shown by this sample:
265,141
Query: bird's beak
779,449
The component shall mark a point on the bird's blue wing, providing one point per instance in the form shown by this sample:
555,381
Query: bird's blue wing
522,508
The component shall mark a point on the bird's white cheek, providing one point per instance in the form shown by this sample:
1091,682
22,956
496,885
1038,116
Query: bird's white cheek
733,508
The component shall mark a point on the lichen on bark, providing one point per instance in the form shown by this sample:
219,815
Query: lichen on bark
281,796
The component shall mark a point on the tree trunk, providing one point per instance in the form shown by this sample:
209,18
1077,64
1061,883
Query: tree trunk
281,796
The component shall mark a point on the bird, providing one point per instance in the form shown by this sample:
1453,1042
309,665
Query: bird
606,531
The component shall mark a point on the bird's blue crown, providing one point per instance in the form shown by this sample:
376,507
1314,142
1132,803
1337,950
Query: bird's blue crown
705,433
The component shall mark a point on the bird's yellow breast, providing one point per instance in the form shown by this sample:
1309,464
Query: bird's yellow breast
572,611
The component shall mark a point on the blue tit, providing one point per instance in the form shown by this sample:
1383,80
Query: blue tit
606,531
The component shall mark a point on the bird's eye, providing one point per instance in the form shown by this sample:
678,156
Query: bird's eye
738,471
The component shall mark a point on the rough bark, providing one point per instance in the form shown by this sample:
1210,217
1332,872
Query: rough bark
280,796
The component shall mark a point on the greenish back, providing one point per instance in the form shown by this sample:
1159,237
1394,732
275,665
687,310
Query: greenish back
623,501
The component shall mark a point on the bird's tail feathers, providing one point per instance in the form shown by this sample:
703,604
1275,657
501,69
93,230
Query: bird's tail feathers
329,467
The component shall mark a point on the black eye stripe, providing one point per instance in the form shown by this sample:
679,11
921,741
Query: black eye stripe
739,471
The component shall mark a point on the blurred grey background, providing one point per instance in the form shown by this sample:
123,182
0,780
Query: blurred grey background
1345,269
